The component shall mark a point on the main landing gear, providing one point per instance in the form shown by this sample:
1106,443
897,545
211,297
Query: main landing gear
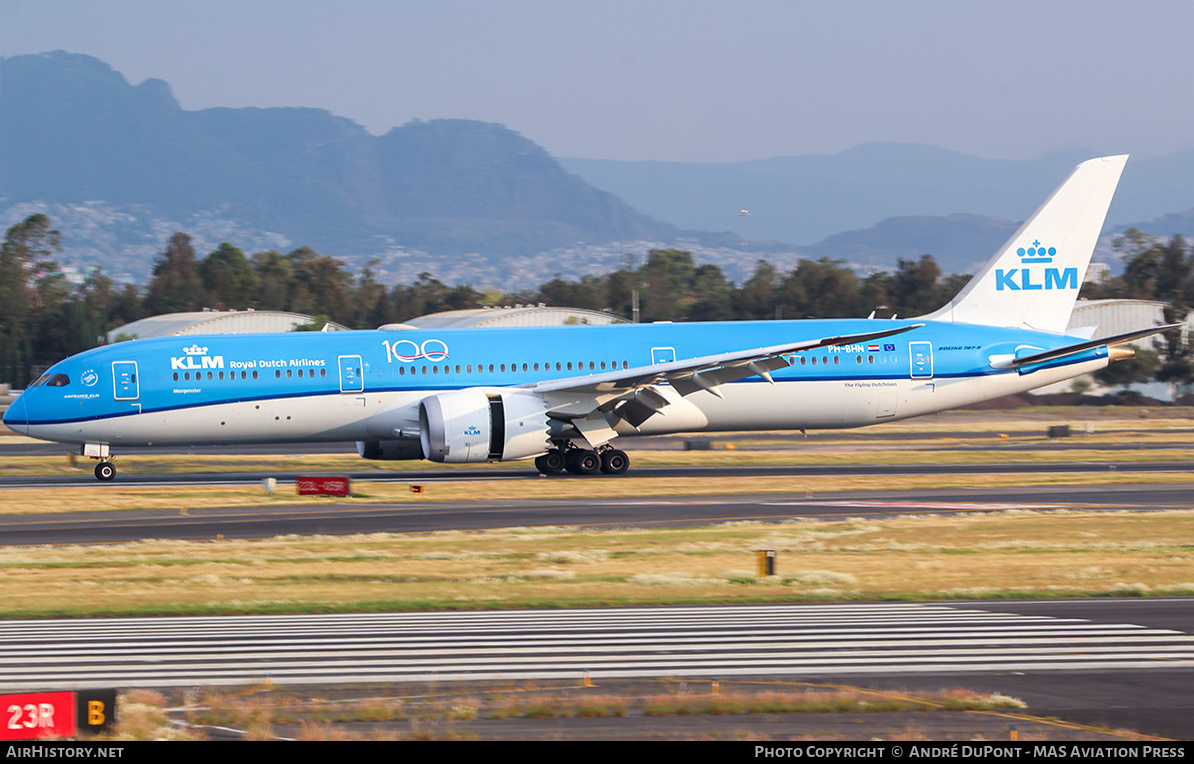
582,461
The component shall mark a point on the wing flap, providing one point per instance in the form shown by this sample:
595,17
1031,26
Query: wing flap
713,370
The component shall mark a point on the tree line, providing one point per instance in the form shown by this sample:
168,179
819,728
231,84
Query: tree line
45,317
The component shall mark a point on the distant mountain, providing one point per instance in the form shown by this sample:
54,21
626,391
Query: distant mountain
76,137
959,243
806,199
119,167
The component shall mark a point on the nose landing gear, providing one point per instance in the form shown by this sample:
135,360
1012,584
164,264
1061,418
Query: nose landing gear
105,471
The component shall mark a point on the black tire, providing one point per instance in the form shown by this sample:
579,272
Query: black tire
551,463
614,462
582,462
105,471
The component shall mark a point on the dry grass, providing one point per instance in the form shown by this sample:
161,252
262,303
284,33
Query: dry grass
925,557
254,713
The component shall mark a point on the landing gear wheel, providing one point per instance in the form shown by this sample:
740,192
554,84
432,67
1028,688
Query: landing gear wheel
582,462
614,462
105,471
551,463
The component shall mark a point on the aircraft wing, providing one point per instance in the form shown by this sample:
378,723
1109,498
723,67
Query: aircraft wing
627,392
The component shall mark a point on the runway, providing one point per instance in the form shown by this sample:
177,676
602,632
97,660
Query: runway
1025,648
862,469
644,511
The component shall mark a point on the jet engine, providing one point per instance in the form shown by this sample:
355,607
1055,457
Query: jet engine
479,425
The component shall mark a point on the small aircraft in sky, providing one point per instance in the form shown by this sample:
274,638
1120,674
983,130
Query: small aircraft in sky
567,396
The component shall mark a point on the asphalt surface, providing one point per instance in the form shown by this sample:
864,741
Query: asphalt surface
1086,669
422,516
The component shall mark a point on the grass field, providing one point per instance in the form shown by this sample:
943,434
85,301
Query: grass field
997,555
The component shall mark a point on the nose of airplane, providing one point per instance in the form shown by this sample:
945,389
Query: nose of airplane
15,418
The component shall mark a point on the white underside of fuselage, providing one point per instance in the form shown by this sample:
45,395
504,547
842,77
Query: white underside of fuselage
748,405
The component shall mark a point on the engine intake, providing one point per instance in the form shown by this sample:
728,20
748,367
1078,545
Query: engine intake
476,425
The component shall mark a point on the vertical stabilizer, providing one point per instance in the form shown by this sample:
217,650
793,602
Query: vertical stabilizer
1033,281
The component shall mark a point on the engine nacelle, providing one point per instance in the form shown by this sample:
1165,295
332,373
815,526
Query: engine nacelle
479,425
390,450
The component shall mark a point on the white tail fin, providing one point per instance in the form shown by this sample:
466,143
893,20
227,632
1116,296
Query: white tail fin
1033,281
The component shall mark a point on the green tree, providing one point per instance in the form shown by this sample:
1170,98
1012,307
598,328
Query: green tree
229,279
915,286
756,298
275,276
175,285
32,294
824,288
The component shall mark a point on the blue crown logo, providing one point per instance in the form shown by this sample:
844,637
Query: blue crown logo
1036,253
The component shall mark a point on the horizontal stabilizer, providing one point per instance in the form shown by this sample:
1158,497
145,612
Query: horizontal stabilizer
1052,355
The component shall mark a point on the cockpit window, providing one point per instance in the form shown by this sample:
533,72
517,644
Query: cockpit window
59,380
40,380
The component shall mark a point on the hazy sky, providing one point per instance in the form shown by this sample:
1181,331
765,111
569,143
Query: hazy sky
670,80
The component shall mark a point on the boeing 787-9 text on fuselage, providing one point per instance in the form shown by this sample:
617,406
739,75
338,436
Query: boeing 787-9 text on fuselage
566,396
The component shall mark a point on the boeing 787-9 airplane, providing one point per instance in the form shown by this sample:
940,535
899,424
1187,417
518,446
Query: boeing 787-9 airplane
566,396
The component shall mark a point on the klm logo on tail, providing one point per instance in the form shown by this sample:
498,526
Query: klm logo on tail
1023,278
